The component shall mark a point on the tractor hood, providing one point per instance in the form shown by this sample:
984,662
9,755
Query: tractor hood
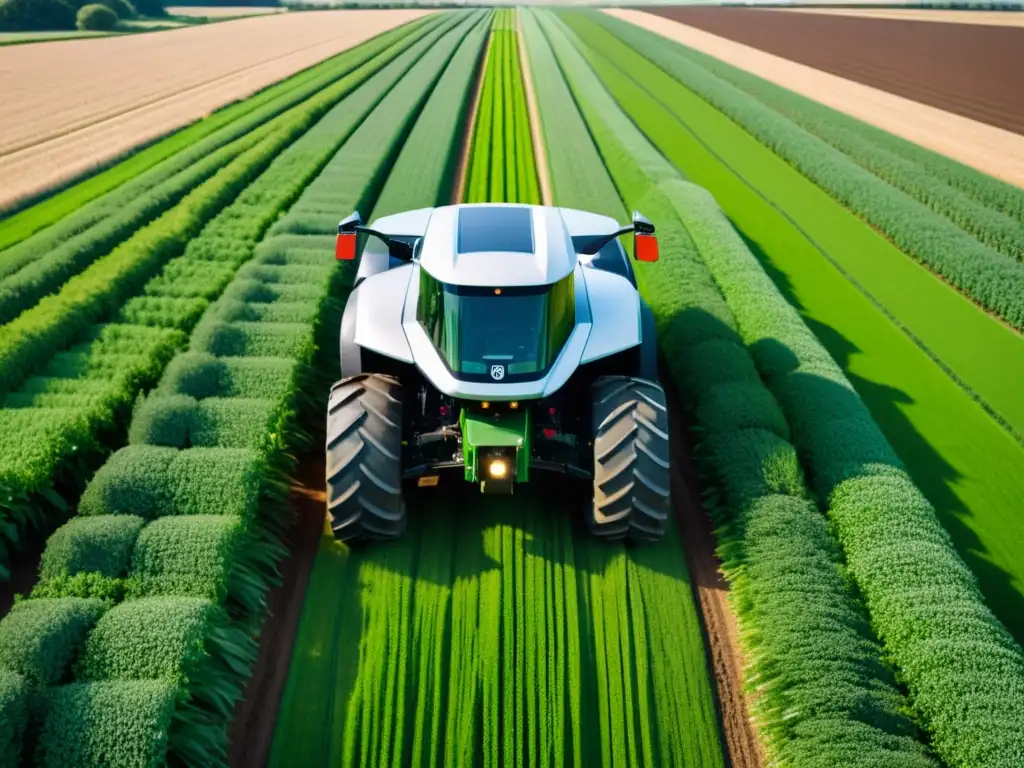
491,245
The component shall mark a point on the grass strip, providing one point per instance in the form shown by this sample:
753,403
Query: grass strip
422,172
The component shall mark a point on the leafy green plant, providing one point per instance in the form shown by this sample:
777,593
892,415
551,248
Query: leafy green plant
120,722
15,708
423,171
39,639
101,544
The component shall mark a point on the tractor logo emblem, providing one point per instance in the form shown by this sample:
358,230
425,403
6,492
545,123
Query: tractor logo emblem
497,372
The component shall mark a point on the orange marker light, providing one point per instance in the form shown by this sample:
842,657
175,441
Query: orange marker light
345,247
646,248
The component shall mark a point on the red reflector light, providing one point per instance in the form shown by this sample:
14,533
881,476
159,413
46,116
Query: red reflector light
444,410
551,411
345,247
646,247
549,433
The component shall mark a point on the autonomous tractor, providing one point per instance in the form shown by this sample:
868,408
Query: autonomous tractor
489,344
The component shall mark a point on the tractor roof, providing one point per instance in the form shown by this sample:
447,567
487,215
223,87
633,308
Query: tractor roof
503,245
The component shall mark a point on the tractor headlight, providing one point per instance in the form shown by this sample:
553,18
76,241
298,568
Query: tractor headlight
497,469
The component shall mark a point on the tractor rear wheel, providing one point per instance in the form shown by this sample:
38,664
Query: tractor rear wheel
364,459
631,459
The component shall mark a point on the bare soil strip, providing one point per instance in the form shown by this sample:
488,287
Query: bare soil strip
72,105
539,154
462,164
252,730
992,18
991,150
743,747
967,69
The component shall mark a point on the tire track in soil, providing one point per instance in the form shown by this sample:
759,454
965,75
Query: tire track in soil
466,144
539,152
721,635
252,728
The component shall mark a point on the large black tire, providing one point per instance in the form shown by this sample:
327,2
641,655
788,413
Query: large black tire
631,460
364,459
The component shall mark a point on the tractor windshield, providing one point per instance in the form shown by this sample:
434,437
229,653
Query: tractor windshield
497,334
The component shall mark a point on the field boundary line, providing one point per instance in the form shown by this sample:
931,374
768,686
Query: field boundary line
540,159
462,165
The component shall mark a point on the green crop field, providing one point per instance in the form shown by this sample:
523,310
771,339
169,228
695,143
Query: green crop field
838,315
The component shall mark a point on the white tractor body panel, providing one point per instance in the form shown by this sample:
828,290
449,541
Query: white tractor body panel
444,251
607,306
615,315
379,313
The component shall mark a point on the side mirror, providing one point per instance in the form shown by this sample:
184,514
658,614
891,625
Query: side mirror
345,245
645,244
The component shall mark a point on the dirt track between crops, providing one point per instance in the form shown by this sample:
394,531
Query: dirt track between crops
721,635
540,157
252,730
968,69
72,105
466,142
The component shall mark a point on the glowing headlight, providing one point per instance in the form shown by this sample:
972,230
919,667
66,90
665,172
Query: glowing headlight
497,469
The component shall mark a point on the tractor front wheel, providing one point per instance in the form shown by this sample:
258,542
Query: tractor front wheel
364,459
631,460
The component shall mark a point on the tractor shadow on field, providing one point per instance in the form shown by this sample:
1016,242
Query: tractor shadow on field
544,519
930,471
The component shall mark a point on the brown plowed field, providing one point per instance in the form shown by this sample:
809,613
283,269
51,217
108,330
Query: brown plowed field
969,69
69,106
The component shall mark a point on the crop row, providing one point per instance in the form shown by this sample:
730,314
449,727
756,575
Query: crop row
66,412
989,277
501,165
43,263
821,687
990,209
155,592
923,601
